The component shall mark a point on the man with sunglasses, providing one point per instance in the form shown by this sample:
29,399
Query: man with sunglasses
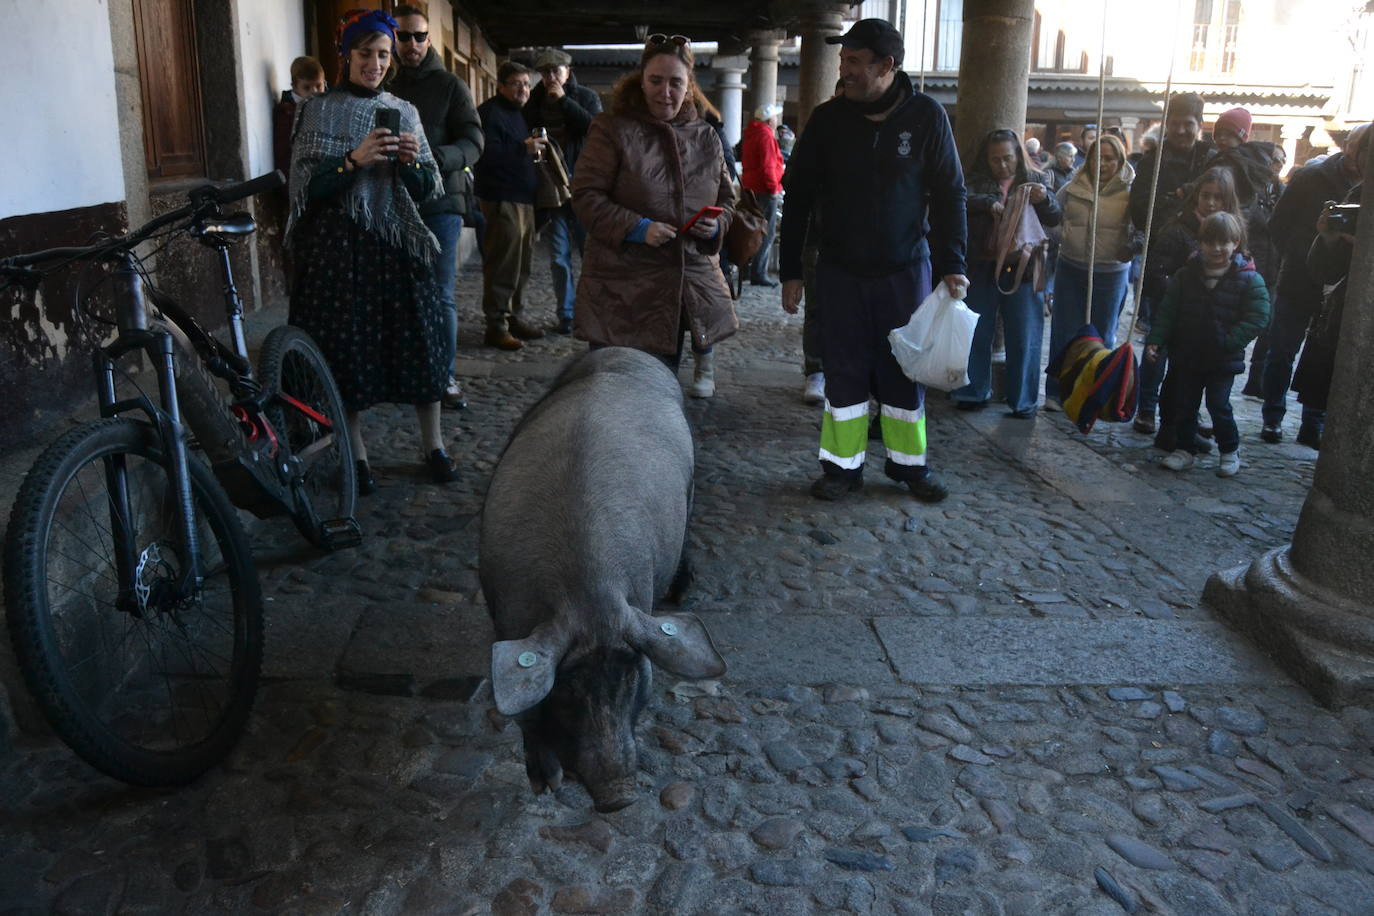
455,135
564,110
877,164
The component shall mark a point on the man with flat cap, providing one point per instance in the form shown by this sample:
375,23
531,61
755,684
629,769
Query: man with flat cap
877,163
565,110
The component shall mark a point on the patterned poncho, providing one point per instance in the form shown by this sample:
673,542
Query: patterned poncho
330,125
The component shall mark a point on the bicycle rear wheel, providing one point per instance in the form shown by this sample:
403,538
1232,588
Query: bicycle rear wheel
146,688
315,425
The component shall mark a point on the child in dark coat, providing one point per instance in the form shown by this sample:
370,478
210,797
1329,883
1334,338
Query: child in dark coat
1213,307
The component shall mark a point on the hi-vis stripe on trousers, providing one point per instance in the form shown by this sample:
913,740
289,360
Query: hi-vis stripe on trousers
856,314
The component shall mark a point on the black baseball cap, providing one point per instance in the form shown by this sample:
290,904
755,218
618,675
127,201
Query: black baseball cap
877,35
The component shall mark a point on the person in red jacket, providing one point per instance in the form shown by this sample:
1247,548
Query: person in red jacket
307,81
762,174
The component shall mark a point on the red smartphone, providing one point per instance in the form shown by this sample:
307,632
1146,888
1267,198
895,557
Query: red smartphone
706,212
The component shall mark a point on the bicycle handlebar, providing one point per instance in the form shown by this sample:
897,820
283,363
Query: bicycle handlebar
203,198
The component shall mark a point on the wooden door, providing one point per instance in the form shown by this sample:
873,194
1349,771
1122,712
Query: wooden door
169,80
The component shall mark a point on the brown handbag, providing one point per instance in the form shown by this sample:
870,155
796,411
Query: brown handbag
747,229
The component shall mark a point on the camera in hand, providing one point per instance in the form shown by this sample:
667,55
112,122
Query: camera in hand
390,118
1342,217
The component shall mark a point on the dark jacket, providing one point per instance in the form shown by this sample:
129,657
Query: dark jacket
1177,170
1060,175
1172,247
871,181
579,104
983,192
506,170
1293,226
731,167
630,294
451,127
283,119
1210,328
1329,265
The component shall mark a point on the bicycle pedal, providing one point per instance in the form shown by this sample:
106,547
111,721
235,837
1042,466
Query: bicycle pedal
340,533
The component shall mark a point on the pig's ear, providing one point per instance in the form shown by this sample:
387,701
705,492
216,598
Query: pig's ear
523,670
677,643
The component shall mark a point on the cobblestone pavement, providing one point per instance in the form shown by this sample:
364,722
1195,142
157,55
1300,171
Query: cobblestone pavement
1009,703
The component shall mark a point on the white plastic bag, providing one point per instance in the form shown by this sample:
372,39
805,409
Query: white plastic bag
932,348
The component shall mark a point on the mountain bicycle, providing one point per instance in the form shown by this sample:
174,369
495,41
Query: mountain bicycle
130,589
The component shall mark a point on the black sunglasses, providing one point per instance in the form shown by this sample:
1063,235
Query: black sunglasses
658,38
418,37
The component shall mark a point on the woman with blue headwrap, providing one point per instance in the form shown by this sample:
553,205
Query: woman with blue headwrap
364,286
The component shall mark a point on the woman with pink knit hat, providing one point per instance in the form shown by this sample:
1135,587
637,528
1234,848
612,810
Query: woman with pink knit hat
1232,129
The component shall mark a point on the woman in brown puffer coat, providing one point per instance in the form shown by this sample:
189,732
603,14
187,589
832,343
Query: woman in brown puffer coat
648,166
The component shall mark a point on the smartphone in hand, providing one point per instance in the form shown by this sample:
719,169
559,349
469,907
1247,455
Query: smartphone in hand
390,118
703,213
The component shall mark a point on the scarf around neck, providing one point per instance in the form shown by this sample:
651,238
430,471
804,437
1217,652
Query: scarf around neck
330,125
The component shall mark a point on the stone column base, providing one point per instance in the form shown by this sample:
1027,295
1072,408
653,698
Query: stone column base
1324,640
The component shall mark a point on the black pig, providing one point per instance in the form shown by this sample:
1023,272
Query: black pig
582,530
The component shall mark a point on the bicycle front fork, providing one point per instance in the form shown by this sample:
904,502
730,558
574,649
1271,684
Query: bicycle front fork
158,346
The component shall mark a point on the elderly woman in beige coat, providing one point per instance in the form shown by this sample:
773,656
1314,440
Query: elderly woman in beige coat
1109,260
648,166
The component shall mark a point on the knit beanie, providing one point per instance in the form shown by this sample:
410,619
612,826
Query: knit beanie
1238,120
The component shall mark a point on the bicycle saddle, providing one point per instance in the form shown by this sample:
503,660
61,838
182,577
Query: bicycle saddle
225,227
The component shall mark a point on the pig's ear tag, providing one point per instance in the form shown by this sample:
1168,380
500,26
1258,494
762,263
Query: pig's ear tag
678,643
523,670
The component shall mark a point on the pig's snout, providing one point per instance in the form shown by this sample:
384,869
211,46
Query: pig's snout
614,795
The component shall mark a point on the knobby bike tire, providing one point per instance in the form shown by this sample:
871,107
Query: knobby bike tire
293,364
155,697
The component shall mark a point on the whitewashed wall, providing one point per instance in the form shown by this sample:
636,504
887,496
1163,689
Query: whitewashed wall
59,92
271,35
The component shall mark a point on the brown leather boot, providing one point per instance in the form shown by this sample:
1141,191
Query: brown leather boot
501,339
524,331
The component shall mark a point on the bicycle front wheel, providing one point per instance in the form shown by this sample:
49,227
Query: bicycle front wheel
308,412
148,682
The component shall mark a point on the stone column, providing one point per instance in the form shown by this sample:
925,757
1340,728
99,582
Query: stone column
820,62
763,69
994,70
1311,604
730,94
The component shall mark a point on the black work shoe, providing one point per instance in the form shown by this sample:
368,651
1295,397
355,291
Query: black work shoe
367,484
766,281
1271,433
970,405
565,326
442,468
928,489
836,486
1022,413
1310,435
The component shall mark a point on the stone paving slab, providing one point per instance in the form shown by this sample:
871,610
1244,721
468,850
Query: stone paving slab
799,649
994,651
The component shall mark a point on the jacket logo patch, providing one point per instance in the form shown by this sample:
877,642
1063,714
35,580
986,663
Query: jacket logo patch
904,144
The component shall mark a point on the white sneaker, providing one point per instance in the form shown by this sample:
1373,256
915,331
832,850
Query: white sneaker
1230,464
1054,405
814,392
1180,460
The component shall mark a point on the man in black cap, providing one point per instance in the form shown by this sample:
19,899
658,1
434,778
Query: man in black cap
870,163
565,110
